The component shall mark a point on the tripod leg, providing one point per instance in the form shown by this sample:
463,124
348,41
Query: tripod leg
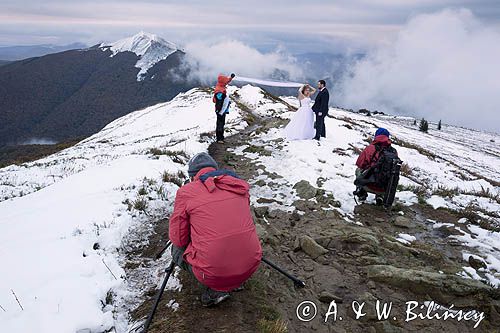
390,192
297,282
158,297
163,250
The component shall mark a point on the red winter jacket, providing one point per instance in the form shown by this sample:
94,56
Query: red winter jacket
369,155
222,82
214,221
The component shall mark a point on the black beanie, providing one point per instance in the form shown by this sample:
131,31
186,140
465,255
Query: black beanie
200,161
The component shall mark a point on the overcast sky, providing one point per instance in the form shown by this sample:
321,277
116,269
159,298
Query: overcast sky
296,25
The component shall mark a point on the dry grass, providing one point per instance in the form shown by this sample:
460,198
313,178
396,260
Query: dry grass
177,156
141,204
406,170
171,178
444,191
272,326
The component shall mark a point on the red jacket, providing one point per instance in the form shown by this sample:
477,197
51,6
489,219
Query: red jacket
222,82
214,221
369,155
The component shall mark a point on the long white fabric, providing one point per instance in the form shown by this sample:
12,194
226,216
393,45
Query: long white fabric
268,83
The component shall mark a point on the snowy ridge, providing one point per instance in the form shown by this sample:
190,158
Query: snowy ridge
149,47
55,210
84,196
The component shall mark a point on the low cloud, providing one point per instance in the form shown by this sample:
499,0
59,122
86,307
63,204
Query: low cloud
38,141
441,66
207,60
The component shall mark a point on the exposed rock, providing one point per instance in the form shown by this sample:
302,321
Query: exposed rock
296,244
476,263
311,248
308,268
304,205
273,175
402,222
448,230
268,201
361,240
305,190
386,327
438,286
328,199
326,297
295,216
261,211
274,214
320,181
260,183
261,232
323,241
257,150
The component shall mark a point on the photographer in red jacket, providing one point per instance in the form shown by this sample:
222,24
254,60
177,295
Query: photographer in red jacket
367,170
212,232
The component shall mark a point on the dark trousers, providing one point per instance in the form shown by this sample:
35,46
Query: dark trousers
320,126
219,128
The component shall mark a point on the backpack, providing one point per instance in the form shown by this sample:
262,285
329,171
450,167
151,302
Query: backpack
386,166
219,101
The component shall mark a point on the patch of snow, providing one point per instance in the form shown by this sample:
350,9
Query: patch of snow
488,244
437,202
405,238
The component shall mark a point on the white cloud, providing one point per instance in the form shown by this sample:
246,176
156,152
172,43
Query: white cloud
442,66
233,56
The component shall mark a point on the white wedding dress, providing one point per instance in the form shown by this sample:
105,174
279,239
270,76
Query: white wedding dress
301,126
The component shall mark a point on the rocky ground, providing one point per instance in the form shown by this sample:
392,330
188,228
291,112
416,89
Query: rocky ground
342,261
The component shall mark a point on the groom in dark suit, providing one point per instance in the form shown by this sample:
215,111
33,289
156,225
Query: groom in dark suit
320,108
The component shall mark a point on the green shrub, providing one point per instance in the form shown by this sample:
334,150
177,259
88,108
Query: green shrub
424,125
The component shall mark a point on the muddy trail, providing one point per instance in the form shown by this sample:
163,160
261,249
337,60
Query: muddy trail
339,260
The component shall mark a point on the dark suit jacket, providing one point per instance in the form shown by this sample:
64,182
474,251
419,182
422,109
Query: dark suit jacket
321,102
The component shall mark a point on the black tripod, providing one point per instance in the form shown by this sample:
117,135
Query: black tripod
158,297
170,268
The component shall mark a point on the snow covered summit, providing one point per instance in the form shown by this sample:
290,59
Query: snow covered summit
149,47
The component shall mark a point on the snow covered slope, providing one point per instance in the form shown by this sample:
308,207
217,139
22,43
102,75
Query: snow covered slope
65,219
454,168
85,195
149,47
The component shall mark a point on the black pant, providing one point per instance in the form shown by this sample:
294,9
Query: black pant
320,126
219,128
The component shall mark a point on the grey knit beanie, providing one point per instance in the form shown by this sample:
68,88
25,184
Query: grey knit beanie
200,161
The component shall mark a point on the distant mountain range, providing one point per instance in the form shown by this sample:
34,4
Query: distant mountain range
75,93
28,51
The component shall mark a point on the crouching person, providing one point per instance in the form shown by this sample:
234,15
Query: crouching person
212,232
378,170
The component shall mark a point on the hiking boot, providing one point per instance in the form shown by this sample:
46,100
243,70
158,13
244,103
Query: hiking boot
379,200
361,194
212,297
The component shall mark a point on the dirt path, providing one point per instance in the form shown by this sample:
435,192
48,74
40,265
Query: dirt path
362,263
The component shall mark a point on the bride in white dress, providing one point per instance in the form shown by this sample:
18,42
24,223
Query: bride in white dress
301,126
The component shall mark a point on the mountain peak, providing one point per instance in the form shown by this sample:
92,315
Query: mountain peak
149,47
